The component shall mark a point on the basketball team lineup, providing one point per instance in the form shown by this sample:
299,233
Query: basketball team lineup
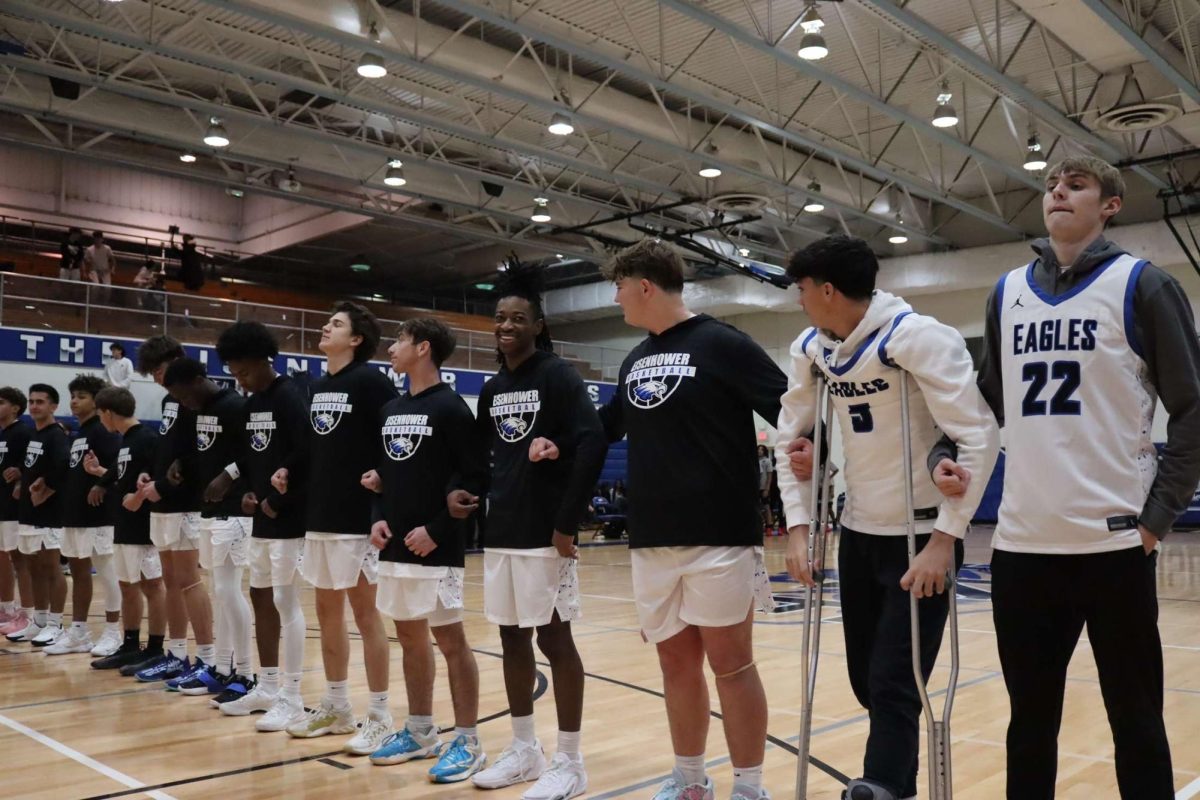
318,620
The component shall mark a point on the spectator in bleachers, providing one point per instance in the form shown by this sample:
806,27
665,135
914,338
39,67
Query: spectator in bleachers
98,261
191,270
71,251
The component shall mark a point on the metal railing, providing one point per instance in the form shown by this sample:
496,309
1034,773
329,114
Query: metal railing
28,301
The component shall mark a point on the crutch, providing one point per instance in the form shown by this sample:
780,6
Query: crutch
938,748
810,650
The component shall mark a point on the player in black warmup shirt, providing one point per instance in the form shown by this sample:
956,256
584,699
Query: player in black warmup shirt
87,523
686,398
43,477
427,439
224,542
276,437
339,559
175,527
139,568
533,512
14,438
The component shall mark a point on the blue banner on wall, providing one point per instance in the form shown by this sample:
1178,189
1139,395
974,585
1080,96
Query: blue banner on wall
86,351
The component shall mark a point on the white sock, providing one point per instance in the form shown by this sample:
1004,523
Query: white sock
568,743
377,705
207,653
55,619
268,679
8,607
29,612
749,777
470,733
337,694
113,626
691,768
523,729
291,685
177,648
419,724
39,617
79,626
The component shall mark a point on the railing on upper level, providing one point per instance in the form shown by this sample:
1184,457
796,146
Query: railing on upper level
28,301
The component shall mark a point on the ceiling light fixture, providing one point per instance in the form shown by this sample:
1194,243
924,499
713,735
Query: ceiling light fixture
812,44
560,125
1035,158
540,212
944,116
814,204
395,173
708,169
187,158
370,66
216,136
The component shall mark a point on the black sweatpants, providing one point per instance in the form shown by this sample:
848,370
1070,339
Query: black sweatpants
1040,604
875,620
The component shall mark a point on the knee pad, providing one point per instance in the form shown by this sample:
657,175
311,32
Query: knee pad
863,790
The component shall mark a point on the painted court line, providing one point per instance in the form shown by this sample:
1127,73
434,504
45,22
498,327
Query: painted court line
1189,791
80,758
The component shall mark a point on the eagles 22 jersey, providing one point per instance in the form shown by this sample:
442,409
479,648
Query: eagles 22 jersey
1078,406
863,376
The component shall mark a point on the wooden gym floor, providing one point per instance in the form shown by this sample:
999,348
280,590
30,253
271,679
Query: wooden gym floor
67,731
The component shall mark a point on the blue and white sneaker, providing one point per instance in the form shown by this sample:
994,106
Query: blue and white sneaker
169,667
404,745
208,681
460,759
234,687
187,675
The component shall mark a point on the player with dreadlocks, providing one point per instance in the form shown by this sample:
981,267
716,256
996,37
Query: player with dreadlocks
535,402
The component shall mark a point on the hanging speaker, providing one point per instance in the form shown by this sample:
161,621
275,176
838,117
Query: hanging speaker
67,90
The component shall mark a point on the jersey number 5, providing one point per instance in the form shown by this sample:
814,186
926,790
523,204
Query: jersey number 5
1037,374
860,418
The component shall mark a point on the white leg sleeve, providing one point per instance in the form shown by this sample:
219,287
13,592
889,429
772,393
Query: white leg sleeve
291,627
106,571
233,613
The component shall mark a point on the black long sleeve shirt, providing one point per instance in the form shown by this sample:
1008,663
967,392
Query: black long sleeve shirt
178,429
76,512
135,455
277,436
13,441
685,398
527,501
428,444
344,417
1163,323
45,457
220,436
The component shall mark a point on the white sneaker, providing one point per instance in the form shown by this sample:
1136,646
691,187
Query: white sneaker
562,780
674,788
284,712
744,793
322,721
73,640
371,733
257,699
519,763
48,636
108,643
27,633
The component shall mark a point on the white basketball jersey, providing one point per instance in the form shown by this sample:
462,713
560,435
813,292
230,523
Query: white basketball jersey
864,387
1078,406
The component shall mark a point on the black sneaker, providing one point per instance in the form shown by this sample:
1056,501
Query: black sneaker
120,658
236,687
150,659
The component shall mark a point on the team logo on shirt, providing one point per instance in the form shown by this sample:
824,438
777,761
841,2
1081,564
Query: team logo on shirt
3,451
651,380
123,459
33,453
170,413
513,413
208,428
78,448
260,427
403,434
327,410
